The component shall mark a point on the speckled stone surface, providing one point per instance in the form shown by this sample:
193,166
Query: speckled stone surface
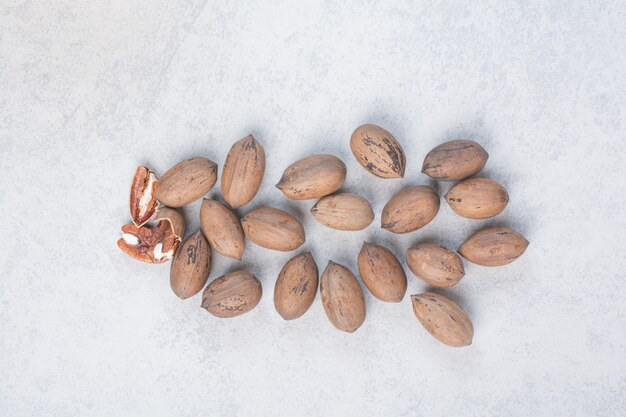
89,90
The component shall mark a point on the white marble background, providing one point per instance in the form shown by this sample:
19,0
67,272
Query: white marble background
91,89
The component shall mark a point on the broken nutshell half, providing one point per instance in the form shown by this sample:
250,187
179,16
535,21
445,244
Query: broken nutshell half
176,219
143,202
150,244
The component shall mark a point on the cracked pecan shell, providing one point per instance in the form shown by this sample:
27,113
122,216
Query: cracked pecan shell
149,244
143,202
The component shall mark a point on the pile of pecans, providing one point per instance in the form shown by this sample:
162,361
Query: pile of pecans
158,229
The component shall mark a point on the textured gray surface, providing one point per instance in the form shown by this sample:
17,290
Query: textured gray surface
88,90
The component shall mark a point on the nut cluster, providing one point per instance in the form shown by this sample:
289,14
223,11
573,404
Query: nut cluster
157,231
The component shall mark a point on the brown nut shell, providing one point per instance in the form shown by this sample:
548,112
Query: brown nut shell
222,229
243,171
435,264
313,177
175,218
143,202
382,273
232,295
493,246
186,182
343,211
443,319
378,151
342,298
273,229
477,198
410,209
296,286
455,160
191,266
149,244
